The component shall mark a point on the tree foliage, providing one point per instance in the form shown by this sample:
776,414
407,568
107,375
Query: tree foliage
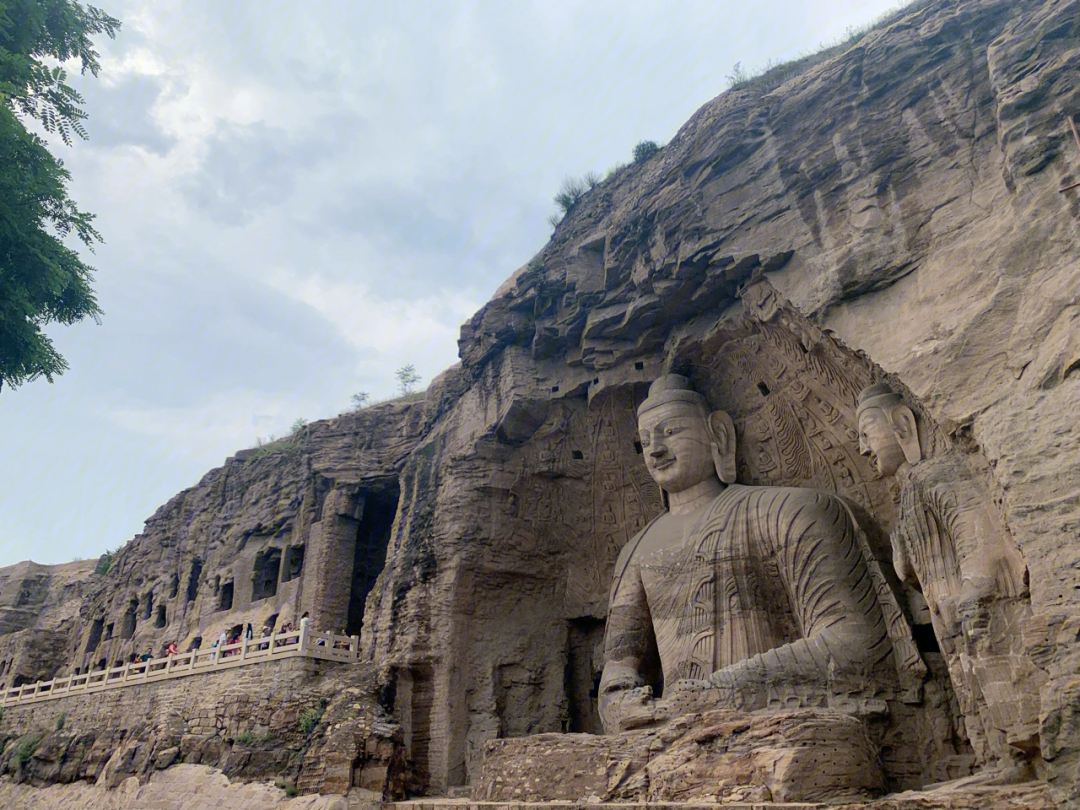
42,280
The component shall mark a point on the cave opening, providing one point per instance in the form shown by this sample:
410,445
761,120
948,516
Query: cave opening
226,596
369,556
94,638
584,663
148,608
159,620
294,563
127,629
265,575
193,579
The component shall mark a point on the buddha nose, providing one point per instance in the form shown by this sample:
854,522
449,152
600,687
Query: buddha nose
864,448
658,449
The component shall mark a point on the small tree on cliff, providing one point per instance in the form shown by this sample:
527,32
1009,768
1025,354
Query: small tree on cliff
407,378
42,280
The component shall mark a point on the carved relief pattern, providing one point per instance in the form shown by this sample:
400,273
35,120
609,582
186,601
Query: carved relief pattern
791,391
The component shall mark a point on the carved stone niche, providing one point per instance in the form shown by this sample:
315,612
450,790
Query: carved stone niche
791,392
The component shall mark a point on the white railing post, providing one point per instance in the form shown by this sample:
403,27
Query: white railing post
354,647
243,648
301,642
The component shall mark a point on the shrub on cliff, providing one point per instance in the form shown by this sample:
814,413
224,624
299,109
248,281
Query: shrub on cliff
26,747
571,192
309,718
105,561
645,150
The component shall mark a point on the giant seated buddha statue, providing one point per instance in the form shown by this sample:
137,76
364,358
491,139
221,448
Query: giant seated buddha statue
742,597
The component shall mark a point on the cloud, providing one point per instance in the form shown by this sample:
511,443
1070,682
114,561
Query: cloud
248,168
227,419
132,122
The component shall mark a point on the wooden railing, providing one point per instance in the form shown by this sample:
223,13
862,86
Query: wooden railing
298,643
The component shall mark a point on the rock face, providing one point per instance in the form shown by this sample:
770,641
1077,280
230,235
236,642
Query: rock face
300,525
717,757
902,197
890,214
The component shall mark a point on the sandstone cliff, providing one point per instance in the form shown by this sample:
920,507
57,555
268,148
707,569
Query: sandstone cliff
894,211
904,198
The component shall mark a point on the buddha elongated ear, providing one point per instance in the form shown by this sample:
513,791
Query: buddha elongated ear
907,433
722,434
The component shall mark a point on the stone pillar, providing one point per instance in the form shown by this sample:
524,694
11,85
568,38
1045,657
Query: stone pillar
329,560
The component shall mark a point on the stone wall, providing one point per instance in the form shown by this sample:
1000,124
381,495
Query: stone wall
248,722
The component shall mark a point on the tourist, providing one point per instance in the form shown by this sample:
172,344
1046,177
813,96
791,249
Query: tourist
171,649
248,633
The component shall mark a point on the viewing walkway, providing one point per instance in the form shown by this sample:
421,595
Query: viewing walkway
303,643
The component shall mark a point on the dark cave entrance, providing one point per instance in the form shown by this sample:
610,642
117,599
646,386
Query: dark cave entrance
584,662
369,555
94,638
265,576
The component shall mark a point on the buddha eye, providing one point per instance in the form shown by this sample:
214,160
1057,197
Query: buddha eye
671,431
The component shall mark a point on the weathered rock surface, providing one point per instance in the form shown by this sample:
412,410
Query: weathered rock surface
721,756
271,534
893,212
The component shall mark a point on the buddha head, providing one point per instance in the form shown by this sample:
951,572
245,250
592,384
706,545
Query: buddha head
888,434
683,443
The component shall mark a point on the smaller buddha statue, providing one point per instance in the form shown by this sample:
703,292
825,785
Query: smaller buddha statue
950,543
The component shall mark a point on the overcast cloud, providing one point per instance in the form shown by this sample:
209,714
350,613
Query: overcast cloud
299,198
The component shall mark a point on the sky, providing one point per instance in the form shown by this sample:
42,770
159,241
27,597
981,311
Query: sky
297,199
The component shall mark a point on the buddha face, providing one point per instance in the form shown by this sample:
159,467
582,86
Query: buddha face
878,441
675,440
